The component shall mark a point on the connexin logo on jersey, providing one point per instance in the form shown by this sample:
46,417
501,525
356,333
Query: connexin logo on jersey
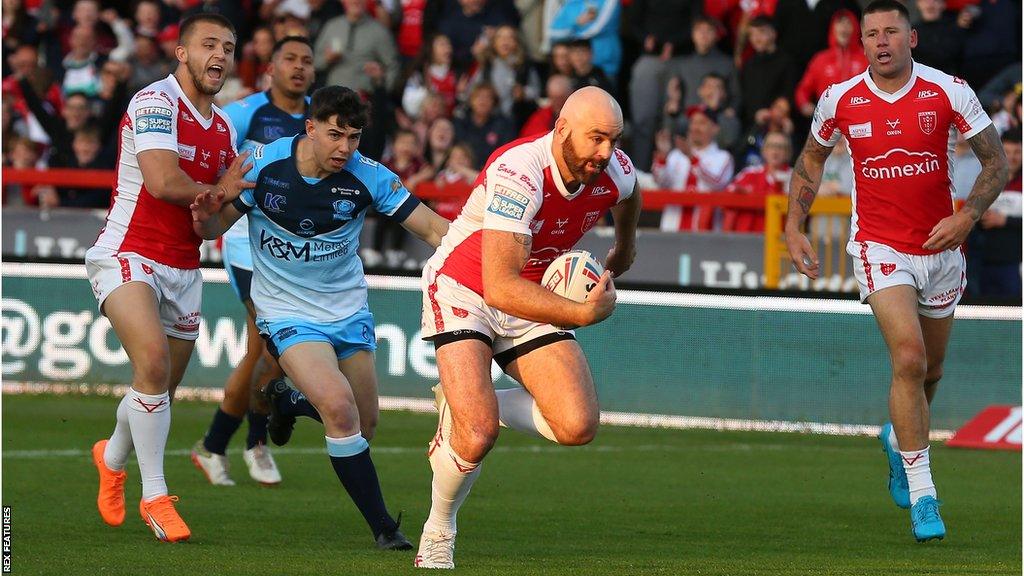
153,119
899,163
508,203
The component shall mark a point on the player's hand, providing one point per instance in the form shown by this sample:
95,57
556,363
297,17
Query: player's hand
233,181
206,205
601,300
802,254
950,232
619,259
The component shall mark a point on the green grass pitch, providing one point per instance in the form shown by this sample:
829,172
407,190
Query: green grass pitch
636,501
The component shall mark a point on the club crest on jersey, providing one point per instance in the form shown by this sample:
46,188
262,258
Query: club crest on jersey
590,219
887,268
343,209
927,121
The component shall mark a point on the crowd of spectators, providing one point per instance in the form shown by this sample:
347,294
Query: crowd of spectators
717,94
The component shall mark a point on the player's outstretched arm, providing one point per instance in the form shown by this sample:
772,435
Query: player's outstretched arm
504,254
626,215
427,225
952,231
166,181
803,187
211,216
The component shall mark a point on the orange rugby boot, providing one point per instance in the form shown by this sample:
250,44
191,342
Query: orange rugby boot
111,497
159,514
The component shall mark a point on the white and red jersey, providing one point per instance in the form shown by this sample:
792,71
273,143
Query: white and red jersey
520,190
902,148
160,117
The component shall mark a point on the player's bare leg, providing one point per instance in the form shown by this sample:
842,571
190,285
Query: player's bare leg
314,370
467,429
361,374
559,395
144,416
895,310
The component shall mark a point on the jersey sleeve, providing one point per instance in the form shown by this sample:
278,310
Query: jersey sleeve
391,197
623,173
823,124
512,197
969,115
240,114
154,117
261,156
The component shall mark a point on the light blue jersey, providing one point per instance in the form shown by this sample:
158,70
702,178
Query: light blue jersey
304,233
257,121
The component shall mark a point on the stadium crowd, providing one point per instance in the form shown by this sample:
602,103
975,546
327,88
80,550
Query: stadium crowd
718,94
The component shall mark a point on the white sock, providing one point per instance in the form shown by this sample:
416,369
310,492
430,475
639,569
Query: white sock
150,419
453,478
893,443
919,474
120,444
518,410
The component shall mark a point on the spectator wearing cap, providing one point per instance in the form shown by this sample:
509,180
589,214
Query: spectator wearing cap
167,40
543,119
772,177
769,74
663,29
596,21
707,59
843,60
584,73
347,44
701,166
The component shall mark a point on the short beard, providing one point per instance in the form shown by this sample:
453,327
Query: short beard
577,165
198,82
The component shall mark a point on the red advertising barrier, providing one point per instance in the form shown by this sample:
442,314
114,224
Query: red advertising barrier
994,428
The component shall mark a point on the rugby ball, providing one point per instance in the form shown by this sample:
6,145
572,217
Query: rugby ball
573,275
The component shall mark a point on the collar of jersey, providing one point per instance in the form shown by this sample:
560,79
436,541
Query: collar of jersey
891,98
204,122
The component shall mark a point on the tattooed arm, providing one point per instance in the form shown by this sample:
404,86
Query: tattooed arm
803,187
952,231
504,254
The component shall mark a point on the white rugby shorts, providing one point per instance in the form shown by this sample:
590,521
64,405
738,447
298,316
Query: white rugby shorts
178,292
940,279
452,311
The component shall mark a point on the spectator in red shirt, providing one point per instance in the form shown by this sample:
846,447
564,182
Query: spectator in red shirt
842,60
543,119
772,177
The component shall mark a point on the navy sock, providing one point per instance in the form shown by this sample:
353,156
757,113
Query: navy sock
295,404
351,460
257,430
221,430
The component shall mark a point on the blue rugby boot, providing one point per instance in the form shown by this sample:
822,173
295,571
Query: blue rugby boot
925,520
899,489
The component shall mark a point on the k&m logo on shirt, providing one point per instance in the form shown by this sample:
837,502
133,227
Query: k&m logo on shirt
508,203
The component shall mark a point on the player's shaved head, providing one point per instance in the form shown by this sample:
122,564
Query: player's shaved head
586,133
591,105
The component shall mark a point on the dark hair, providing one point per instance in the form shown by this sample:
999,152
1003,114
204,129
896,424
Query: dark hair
186,26
280,43
762,22
708,20
579,43
714,76
886,6
341,101
1012,135
90,130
